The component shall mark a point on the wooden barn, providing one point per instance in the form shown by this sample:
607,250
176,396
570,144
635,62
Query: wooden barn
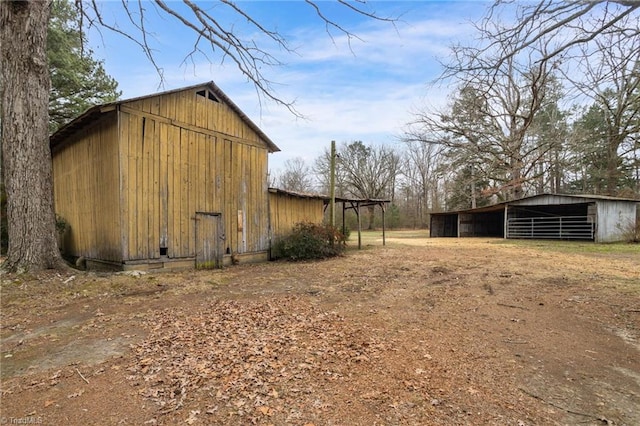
546,216
174,179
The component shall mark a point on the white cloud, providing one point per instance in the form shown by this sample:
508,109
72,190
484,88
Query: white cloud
365,91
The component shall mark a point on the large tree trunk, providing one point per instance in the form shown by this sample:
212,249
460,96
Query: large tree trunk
26,157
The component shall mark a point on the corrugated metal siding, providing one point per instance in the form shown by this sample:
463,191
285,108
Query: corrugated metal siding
547,200
612,217
609,215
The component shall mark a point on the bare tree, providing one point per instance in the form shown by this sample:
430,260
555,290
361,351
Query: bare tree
221,38
504,79
608,73
296,176
322,171
24,90
488,122
368,172
420,171
567,24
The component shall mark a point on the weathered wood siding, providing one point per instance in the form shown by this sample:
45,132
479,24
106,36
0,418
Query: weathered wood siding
287,210
183,153
86,183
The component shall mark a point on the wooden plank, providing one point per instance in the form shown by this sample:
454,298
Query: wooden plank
237,178
184,194
123,149
212,113
169,102
262,187
154,235
178,113
239,185
188,98
218,193
175,193
210,173
254,205
134,105
110,208
228,204
132,170
163,176
155,105
260,212
203,173
193,190
142,190
200,106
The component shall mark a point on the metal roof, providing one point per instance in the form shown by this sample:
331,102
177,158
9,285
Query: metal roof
501,206
325,198
586,196
95,112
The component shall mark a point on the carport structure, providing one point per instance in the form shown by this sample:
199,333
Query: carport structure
546,216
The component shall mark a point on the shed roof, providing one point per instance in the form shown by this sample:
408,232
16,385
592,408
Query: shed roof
325,198
589,197
577,197
95,112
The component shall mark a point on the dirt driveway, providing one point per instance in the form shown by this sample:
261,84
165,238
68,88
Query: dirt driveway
420,332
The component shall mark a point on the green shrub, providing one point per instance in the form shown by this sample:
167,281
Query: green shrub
311,241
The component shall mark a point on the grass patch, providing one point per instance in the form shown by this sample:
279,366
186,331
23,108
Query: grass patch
374,238
578,247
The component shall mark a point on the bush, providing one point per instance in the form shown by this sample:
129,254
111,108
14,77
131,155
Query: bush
311,241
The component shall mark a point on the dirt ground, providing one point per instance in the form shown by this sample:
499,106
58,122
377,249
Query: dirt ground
419,332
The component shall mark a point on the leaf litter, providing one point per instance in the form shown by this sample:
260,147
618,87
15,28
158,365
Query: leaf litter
251,360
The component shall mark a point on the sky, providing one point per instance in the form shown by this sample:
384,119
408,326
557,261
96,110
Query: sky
365,89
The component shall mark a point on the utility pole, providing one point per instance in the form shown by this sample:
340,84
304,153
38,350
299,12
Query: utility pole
332,186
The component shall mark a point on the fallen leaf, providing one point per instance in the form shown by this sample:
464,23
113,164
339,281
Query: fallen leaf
266,411
192,417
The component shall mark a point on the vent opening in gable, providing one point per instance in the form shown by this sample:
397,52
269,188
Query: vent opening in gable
208,95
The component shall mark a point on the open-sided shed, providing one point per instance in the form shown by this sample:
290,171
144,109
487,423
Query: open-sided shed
288,208
545,216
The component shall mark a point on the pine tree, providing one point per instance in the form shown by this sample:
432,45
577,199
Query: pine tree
77,80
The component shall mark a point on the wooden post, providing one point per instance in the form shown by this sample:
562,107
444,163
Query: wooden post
359,225
332,184
344,224
383,224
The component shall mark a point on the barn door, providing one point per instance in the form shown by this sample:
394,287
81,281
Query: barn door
208,240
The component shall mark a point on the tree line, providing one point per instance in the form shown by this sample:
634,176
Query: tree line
548,105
